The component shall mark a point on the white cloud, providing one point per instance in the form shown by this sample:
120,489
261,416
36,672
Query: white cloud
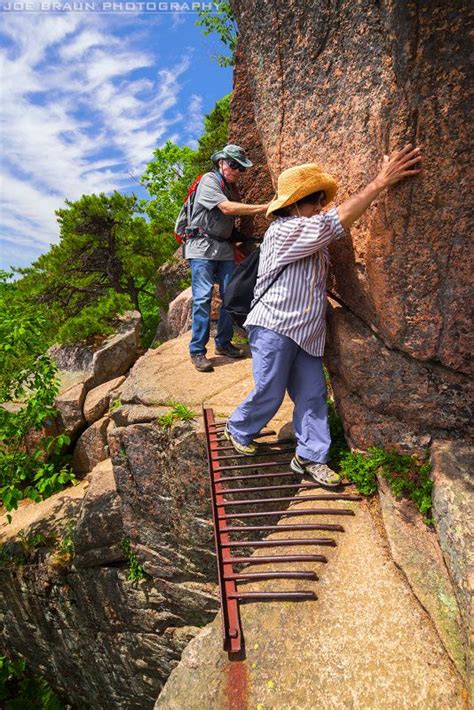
195,116
28,212
84,41
78,118
177,20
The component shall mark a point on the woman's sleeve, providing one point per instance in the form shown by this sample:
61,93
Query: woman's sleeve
297,238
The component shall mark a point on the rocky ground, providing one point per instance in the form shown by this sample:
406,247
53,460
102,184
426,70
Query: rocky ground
365,643
388,628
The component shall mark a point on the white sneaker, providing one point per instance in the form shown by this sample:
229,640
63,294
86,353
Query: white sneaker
320,472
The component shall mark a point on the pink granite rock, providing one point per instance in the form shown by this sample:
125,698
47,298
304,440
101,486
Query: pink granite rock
341,88
98,399
69,405
90,448
178,318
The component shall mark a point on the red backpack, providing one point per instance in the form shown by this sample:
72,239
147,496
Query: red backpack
185,214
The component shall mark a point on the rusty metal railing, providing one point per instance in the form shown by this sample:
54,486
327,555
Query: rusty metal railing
228,575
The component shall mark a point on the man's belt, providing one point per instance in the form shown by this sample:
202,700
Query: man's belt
236,236
198,232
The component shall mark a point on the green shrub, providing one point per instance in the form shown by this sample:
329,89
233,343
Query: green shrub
66,540
26,470
135,568
361,470
115,404
240,340
407,476
179,412
99,318
338,441
23,548
185,282
20,690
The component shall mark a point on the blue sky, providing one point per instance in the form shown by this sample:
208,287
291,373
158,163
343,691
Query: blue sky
86,97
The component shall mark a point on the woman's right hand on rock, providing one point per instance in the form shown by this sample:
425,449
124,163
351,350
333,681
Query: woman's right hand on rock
400,164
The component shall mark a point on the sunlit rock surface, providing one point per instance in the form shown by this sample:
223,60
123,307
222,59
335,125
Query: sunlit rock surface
341,87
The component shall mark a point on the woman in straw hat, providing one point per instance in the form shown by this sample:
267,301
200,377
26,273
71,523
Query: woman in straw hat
287,328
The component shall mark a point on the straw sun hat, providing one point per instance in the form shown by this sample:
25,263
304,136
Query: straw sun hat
302,180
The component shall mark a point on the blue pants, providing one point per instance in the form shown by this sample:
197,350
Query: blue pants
204,273
279,364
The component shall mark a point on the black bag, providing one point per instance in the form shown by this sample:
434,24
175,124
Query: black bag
238,295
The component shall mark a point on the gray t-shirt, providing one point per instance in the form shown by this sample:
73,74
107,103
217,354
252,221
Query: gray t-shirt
208,216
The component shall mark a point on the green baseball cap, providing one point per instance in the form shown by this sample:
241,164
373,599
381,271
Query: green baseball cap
232,152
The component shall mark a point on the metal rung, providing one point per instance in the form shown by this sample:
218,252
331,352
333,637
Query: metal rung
252,576
271,488
277,559
257,501
266,446
222,425
259,453
272,458
284,528
280,474
289,511
265,464
326,541
261,596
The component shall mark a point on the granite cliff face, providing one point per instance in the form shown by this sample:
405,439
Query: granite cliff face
340,84
97,636
67,603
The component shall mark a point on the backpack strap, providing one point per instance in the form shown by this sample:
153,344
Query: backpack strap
189,204
269,286
223,184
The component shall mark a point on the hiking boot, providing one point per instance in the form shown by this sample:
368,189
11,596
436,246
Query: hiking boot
320,472
201,363
230,351
245,449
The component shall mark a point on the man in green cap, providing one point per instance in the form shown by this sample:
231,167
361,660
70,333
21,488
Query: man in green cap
211,254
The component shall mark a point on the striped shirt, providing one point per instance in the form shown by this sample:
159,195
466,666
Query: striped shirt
295,305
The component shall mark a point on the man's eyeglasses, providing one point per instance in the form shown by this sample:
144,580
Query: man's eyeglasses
235,166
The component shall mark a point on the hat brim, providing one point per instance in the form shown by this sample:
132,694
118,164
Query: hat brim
220,155
324,182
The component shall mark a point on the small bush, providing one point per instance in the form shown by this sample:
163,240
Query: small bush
240,339
19,689
27,471
135,569
115,404
361,470
179,412
407,476
99,318
64,552
338,441
22,549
